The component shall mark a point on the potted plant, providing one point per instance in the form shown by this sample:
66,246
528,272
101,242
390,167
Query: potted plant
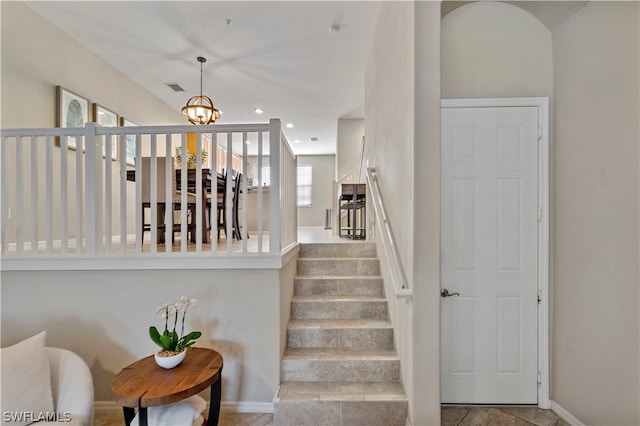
173,346
191,158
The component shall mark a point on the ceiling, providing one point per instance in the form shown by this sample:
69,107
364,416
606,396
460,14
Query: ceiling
302,62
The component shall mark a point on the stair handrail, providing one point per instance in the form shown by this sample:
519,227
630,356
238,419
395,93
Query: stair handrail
402,291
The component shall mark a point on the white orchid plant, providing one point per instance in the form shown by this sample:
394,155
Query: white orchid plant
171,341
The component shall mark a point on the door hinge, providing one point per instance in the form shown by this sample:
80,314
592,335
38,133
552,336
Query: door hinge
539,378
539,214
539,296
539,133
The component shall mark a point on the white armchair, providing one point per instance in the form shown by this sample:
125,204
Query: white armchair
71,386
50,386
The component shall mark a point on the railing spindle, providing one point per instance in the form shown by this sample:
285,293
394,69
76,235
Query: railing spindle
34,211
48,201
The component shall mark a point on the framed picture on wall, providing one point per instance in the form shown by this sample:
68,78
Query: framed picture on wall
72,110
106,118
129,143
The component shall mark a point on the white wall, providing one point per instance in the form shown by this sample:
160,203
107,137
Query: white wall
324,171
595,212
36,57
389,147
389,120
104,316
402,116
493,50
426,244
348,146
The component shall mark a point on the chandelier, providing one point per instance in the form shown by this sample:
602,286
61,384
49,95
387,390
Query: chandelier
200,109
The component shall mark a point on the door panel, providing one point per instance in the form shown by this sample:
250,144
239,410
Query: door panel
489,255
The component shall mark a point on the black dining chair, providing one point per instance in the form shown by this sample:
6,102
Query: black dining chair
221,207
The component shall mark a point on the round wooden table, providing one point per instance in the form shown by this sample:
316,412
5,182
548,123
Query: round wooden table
144,384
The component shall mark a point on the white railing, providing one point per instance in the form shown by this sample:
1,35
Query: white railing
398,276
62,194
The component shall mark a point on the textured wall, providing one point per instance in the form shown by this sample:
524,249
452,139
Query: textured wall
595,214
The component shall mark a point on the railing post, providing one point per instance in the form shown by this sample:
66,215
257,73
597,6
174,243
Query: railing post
93,190
275,129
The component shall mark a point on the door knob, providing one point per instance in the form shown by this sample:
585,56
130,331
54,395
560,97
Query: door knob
445,293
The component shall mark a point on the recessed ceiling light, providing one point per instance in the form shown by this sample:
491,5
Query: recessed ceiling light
258,110
296,141
289,125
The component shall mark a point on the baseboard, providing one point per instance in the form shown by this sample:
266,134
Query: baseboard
565,415
233,407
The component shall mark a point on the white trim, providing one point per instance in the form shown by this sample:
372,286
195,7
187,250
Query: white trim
110,407
157,261
565,415
542,104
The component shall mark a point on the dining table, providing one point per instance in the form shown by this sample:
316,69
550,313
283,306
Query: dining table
192,181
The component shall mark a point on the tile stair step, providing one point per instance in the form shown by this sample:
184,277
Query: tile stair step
340,403
339,307
339,365
341,391
310,412
338,266
350,334
338,285
338,250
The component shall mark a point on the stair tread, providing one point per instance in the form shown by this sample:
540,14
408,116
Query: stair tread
339,298
335,258
339,323
339,277
340,354
342,391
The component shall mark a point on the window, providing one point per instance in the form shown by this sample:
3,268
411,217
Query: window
305,181
305,173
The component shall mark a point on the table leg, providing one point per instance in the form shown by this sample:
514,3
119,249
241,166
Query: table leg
129,414
214,403
142,416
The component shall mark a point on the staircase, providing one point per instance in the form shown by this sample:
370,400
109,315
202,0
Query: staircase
340,367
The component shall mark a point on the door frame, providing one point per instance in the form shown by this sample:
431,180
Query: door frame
542,104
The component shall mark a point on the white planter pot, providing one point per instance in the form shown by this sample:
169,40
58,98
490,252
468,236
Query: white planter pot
169,361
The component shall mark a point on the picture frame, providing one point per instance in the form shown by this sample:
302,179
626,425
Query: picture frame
72,111
129,144
106,118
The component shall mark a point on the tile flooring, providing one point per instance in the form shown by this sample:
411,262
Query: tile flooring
498,416
451,416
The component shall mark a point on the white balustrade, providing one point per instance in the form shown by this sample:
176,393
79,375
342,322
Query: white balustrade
61,194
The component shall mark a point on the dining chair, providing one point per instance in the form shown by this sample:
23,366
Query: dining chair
161,198
237,186
221,204
222,207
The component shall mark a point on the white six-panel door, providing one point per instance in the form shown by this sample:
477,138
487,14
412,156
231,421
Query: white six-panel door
489,255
